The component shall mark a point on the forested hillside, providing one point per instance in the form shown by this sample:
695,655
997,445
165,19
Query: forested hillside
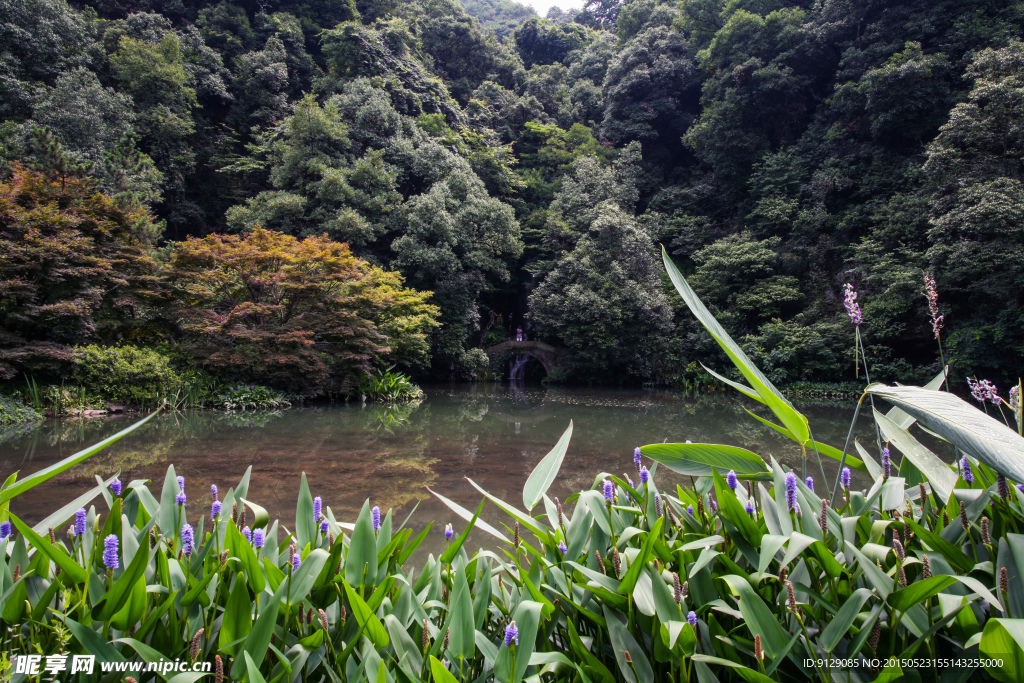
777,150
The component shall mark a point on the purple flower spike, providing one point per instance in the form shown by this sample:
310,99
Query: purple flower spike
80,521
846,478
645,475
325,526
636,458
213,491
110,560
629,497
609,490
965,470
562,547
851,305
180,498
296,561
215,509
511,634
689,509
115,486
983,390
5,530
791,498
257,538
731,480
318,508
750,508
376,518
247,532
448,532
188,540
691,619
181,483
810,483
657,504
886,463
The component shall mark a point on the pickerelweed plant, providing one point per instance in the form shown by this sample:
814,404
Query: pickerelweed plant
754,573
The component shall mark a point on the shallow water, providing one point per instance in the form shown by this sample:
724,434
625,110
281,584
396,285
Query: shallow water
492,434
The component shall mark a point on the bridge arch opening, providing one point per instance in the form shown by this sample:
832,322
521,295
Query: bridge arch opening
527,367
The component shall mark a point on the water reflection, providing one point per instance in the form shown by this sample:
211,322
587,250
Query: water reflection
490,433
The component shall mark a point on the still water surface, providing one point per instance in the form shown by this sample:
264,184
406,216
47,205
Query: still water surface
492,434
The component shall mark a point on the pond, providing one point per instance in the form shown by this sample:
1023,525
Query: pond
492,434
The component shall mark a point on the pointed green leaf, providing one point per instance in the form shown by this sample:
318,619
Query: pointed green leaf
544,473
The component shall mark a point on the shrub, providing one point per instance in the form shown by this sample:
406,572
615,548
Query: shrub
14,411
300,316
71,270
129,375
388,386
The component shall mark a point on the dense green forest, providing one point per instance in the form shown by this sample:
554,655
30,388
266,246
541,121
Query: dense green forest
778,150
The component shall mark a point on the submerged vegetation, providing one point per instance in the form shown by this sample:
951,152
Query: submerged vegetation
755,574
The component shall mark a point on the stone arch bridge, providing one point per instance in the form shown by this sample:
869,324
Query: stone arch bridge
554,359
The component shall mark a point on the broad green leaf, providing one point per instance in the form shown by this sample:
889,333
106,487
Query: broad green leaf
1003,640
440,673
795,422
544,473
93,642
622,642
941,479
258,641
367,620
361,563
66,512
305,525
963,425
75,573
953,554
524,519
843,620
747,673
527,617
118,595
919,591
700,459
305,576
260,516
253,670
878,579
67,463
463,634
904,421
628,582
742,388
734,513
467,515
758,618
237,619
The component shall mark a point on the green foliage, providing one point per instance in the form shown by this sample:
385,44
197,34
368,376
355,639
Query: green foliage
251,398
14,411
388,386
127,375
501,16
871,143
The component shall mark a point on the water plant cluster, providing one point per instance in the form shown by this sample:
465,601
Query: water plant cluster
756,573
